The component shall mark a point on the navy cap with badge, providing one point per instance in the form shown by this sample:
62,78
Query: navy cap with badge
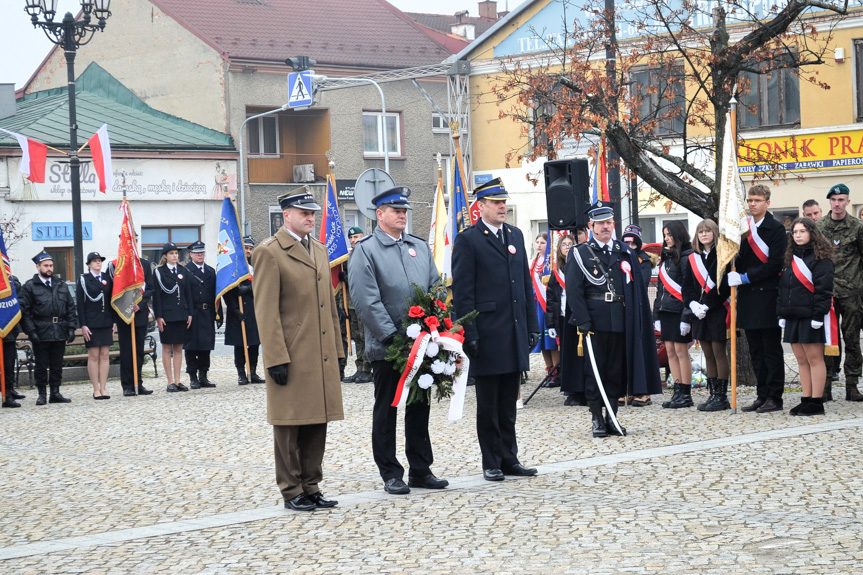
170,247
42,256
837,190
197,248
600,211
300,198
491,190
396,197
94,256
249,241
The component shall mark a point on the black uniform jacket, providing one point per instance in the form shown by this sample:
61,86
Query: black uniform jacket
795,300
756,301
692,290
47,312
233,330
202,285
142,316
94,314
174,306
493,278
665,301
553,317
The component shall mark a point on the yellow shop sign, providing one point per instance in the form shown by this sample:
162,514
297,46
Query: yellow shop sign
825,151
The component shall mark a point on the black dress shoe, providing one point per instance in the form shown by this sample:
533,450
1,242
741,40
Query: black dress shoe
396,486
754,405
363,377
349,378
609,427
428,482
129,393
300,503
242,380
492,475
9,402
770,405
519,470
206,384
195,385
181,387
172,388
599,429
144,391
257,378
319,501
15,395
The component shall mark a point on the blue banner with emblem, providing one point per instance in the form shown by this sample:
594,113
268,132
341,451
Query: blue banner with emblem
458,202
332,230
231,265
10,310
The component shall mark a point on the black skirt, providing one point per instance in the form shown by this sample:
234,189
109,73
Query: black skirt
175,332
799,330
100,337
712,327
670,322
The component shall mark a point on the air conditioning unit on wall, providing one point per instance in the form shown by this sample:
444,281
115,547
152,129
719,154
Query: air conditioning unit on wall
304,173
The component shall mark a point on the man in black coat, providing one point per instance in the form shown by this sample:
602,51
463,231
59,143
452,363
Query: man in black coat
201,338
48,318
234,328
490,275
758,267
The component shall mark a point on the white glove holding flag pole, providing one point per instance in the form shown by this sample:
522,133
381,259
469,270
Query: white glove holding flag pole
608,410
698,309
734,279
684,328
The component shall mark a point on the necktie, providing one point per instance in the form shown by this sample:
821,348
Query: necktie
305,242
500,237
174,271
48,283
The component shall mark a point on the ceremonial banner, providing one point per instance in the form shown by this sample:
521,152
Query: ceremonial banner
439,240
231,265
333,232
732,202
458,200
128,273
10,311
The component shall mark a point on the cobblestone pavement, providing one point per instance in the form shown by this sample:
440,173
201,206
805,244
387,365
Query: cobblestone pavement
184,483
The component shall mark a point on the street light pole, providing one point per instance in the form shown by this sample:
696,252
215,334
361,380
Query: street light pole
71,34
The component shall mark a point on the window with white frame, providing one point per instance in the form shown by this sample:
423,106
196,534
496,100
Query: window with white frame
373,133
440,125
264,136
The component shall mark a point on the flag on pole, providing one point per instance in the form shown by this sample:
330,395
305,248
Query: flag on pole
732,199
439,240
460,218
231,265
333,232
34,157
100,147
600,176
128,273
10,311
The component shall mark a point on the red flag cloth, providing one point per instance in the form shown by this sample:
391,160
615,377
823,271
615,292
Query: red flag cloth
100,147
34,157
128,273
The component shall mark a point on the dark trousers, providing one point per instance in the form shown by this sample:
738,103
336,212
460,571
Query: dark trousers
10,352
124,338
49,362
496,396
768,362
299,452
609,349
197,360
417,442
850,318
240,357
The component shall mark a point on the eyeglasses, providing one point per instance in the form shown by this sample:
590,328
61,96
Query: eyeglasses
566,244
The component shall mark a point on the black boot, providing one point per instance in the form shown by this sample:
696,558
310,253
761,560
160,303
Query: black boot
55,396
828,390
257,378
599,428
674,396
815,406
851,391
796,410
203,381
241,376
720,397
10,402
42,399
193,380
609,425
711,385
11,392
683,397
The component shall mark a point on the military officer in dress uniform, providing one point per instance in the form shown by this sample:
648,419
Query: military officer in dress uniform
382,268
233,323
201,337
491,275
49,319
605,292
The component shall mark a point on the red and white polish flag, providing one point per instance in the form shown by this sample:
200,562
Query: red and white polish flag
34,157
100,147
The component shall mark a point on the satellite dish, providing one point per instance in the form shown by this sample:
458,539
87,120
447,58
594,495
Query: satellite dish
369,184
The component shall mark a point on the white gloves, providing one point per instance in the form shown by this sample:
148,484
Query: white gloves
734,279
700,310
684,328
781,322
552,333
657,326
816,324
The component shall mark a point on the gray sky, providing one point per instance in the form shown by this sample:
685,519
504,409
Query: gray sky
23,48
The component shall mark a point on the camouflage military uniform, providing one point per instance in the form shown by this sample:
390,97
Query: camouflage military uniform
357,334
846,235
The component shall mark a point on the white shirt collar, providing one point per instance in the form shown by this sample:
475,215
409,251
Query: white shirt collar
494,228
95,275
298,238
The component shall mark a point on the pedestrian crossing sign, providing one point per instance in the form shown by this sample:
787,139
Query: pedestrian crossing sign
300,89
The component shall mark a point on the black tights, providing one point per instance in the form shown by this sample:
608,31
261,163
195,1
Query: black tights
715,358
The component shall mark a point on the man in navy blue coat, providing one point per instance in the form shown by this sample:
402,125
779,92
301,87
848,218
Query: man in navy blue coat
490,275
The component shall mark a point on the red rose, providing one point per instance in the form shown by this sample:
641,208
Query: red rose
440,304
432,322
416,311
447,322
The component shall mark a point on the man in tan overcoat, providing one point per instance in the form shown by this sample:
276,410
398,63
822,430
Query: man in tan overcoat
299,329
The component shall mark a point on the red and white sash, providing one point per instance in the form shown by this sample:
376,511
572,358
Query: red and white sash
700,272
672,286
536,277
802,273
762,251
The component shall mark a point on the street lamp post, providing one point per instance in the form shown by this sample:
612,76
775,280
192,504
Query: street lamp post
71,34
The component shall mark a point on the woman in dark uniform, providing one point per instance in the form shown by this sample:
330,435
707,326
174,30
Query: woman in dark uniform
172,306
805,298
555,314
93,298
706,301
673,319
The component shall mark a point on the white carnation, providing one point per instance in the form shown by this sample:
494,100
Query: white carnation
432,349
449,368
438,367
414,330
425,381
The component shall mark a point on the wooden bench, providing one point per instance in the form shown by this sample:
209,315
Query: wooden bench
27,360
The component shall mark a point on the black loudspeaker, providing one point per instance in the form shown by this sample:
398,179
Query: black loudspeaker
567,193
